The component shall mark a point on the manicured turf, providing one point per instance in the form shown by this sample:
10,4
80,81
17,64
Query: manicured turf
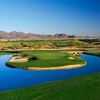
47,59
7,52
96,53
78,88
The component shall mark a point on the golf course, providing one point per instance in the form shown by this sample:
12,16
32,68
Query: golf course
79,88
58,88
49,49
39,60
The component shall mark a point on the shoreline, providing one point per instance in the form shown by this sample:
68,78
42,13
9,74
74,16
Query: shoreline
51,68
57,68
91,54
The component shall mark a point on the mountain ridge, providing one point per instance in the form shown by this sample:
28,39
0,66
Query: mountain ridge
22,35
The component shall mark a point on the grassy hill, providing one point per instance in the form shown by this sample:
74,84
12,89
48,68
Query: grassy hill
78,88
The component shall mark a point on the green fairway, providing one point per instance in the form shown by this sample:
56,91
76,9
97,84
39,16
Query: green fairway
91,52
79,88
8,52
47,59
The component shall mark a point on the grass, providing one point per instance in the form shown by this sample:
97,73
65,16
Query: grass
5,45
3,53
96,53
47,59
78,88
7,52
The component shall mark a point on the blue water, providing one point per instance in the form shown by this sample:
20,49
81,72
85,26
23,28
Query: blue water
12,78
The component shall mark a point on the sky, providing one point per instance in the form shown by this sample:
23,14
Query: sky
51,16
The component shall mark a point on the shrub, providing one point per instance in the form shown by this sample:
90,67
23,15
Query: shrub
33,58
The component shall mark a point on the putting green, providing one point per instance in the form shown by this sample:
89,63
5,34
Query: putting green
47,59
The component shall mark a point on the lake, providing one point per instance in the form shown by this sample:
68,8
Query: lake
12,78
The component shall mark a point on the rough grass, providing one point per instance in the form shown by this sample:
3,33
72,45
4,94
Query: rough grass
47,59
79,88
41,43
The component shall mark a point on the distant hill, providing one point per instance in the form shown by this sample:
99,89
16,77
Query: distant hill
21,35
